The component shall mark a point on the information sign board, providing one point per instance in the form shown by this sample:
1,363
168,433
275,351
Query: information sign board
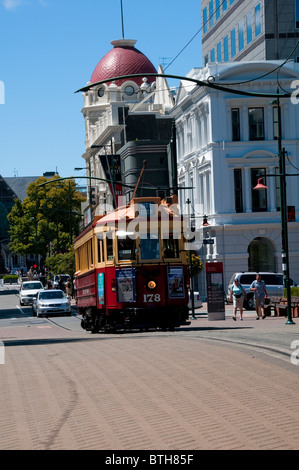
215,291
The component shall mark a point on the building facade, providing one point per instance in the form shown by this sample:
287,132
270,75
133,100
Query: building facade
235,30
224,143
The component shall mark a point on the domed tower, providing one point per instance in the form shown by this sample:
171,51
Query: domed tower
123,59
106,108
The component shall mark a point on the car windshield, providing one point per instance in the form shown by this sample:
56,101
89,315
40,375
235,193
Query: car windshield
52,295
32,285
247,278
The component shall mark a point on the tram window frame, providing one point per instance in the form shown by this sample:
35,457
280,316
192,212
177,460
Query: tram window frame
172,245
109,248
144,244
131,248
83,257
100,247
77,259
91,257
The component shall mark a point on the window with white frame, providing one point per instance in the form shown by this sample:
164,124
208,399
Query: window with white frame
256,123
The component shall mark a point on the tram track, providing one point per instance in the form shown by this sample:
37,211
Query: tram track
61,324
241,343
269,350
270,338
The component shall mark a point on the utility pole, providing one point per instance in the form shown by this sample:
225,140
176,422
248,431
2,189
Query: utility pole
190,265
283,213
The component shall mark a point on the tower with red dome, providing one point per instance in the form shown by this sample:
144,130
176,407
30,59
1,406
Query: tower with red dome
109,107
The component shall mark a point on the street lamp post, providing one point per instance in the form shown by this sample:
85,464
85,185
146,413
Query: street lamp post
283,211
190,265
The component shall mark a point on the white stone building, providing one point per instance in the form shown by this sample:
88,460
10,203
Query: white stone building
224,141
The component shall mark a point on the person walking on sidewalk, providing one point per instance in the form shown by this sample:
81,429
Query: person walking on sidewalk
260,293
237,294
68,289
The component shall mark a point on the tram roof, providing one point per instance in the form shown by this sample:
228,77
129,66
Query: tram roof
142,208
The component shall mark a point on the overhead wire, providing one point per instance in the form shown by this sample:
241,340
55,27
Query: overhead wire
267,73
244,81
194,36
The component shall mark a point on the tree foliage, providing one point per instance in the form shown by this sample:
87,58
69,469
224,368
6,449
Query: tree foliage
62,263
46,222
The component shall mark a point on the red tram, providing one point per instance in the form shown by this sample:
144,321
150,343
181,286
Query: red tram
131,268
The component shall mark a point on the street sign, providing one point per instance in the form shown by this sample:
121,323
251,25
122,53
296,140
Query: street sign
208,241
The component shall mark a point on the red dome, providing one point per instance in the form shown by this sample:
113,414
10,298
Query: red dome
123,59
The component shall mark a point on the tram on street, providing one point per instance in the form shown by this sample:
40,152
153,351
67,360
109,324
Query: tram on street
131,268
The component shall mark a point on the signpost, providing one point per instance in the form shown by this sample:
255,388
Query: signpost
215,291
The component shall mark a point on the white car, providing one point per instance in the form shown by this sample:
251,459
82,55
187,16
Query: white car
197,300
51,301
28,291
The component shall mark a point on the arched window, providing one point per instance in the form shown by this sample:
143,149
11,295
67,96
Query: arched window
261,255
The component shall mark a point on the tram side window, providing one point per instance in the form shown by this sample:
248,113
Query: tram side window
77,260
89,254
83,258
109,242
171,247
126,248
100,249
149,247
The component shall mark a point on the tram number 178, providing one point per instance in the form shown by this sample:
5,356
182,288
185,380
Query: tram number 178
151,298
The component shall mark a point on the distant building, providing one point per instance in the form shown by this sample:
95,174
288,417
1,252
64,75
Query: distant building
235,30
12,188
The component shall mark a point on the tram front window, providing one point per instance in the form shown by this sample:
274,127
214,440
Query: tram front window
171,247
126,248
149,247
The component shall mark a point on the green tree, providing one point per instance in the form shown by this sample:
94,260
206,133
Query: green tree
47,220
62,262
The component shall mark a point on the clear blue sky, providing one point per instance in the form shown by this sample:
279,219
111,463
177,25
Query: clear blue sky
49,49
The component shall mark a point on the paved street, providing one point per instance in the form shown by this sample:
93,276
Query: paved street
212,385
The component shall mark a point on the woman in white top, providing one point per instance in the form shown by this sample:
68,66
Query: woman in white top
238,294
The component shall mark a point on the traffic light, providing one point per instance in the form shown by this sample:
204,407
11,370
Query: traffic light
93,196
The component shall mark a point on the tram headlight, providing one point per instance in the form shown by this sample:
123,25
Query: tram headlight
152,285
113,285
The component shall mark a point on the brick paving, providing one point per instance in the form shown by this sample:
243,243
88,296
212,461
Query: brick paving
160,391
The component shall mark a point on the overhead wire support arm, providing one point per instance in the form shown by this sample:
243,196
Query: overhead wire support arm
204,83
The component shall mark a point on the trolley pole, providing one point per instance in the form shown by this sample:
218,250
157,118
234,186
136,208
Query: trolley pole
190,265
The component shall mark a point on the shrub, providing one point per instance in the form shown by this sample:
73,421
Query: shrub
294,292
9,278
196,264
